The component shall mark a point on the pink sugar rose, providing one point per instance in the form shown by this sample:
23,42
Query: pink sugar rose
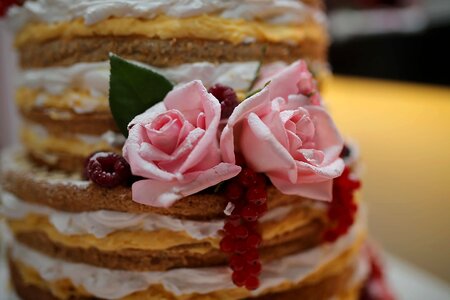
284,134
174,145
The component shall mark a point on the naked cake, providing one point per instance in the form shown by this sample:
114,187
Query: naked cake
180,150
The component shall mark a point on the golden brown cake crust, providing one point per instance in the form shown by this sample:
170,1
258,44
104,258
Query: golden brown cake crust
58,191
162,53
301,239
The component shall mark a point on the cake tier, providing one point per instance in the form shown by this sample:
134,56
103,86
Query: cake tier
63,50
63,223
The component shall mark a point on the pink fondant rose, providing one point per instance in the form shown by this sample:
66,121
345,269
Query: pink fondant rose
286,135
174,146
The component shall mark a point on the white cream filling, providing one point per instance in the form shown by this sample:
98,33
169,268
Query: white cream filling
113,139
103,222
94,11
114,284
94,77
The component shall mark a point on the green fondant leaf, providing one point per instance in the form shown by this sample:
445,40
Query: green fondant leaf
132,90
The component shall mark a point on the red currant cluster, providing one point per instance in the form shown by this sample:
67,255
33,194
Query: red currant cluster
107,169
376,287
227,98
343,208
248,197
5,4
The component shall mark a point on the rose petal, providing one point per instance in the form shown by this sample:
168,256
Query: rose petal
316,190
262,150
164,194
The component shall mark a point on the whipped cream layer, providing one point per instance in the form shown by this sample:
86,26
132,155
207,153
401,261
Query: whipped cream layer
114,284
103,222
110,138
94,77
94,11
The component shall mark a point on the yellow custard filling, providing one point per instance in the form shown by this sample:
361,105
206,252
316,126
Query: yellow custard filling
71,145
73,100
116,241
153,240
208,27
64,288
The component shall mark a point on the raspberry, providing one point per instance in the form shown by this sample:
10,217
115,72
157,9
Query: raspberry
108,169
252,283
227,98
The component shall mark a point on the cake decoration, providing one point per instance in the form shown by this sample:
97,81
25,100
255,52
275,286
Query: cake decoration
174,145
133,90
212,169
286,136
108,169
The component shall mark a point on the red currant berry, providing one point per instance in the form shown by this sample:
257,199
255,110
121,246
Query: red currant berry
254,268
239,278
227,98
229,228
233,191
240,247
227,244
254,241
257,195
237,262
234,219
108,169
241,232
261,209
250,213
247,177
251,255
252,283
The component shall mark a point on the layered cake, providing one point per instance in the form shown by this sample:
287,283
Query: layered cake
180,150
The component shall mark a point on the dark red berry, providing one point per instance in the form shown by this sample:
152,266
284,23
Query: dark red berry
227,244
234,219
249,213
227,98
254,241
239,278
254,268
261,209
252,283
237,262
229,228
247,177
240,247
251,255
233,191
108,169
257,195
6,4
241,232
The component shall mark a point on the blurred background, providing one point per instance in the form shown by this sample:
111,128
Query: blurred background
392,39
391,94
